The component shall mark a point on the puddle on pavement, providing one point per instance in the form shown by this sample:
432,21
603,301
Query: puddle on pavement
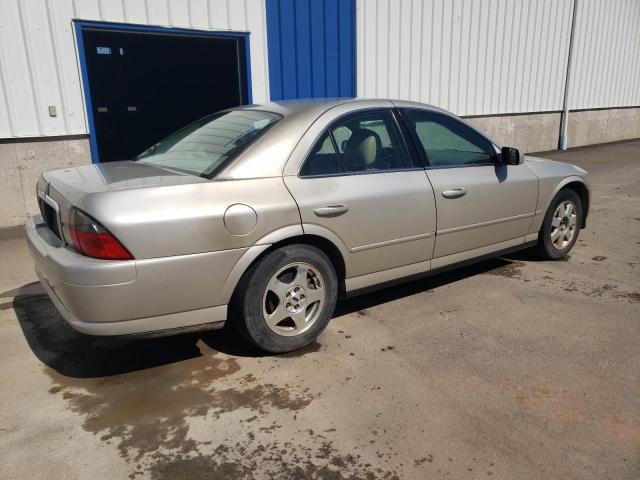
140,397
512,269
275,460
630,296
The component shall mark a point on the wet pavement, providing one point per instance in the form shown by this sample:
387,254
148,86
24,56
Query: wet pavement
511,368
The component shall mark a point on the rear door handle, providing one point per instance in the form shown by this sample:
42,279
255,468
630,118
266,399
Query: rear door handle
331,210
455,193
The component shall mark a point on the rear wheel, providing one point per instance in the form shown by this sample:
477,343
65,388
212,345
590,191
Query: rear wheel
561,225
286,299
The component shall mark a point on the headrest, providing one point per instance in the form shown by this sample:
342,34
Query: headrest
362,149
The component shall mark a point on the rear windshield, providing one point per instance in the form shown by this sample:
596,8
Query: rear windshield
206,145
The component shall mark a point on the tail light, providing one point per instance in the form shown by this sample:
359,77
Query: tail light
93,240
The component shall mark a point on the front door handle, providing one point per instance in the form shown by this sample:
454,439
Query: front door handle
455,193
331,210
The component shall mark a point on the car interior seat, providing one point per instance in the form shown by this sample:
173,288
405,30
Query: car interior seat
362,150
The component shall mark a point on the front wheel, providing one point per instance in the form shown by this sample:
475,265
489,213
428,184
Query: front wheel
561,225
286,299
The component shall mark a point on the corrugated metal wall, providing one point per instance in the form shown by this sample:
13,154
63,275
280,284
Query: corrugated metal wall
311,48
473,57
478,57
606,63
38,64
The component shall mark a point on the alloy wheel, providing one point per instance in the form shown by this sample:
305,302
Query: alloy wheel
293,299
563,225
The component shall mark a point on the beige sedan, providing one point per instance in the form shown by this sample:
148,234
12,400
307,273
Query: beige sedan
265,215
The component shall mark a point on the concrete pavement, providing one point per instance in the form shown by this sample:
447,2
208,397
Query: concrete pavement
512,368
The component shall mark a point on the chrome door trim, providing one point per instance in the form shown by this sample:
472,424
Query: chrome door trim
360,172
360,285
484,224
386,243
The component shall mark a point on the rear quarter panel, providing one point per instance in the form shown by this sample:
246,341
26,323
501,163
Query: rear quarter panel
196,218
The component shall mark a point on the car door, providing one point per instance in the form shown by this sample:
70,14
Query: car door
359,184
483,204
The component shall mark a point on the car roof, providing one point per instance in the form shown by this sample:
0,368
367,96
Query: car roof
267,156
320,105
300,110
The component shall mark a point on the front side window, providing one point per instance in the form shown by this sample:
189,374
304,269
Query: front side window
448,142
203,147
369,141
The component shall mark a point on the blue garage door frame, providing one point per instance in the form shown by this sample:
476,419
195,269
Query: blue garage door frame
311,46
79,25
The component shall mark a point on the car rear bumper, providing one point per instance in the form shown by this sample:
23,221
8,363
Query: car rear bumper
103,297
163,323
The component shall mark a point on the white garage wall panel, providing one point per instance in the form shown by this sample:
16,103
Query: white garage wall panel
472,57
39,67
606,64
480,57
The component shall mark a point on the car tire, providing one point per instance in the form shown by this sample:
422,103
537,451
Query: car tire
286,299
561,226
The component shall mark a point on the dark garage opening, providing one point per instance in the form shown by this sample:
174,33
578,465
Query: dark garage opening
144,85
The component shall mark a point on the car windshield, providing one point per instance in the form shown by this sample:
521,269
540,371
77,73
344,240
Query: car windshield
203,147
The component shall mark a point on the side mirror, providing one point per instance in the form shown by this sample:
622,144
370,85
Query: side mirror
510,156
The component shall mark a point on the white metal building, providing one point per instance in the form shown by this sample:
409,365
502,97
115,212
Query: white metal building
500,56
503,63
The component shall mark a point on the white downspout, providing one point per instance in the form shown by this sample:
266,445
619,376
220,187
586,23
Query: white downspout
564,122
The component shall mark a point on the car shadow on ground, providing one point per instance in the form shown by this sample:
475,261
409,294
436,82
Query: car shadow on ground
77,355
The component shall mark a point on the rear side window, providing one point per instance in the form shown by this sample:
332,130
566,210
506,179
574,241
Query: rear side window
370,141
448,142
323,159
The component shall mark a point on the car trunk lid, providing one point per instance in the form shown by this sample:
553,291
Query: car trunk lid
59,190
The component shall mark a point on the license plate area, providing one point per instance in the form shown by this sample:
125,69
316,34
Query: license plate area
50,218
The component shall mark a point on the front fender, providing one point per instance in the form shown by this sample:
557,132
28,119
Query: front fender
547,193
